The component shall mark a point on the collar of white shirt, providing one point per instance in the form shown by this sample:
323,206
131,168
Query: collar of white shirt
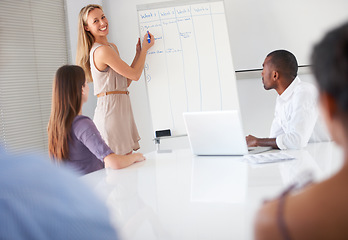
290,89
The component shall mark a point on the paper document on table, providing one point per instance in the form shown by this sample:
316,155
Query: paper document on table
268,157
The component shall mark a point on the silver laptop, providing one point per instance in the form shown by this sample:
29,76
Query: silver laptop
217,133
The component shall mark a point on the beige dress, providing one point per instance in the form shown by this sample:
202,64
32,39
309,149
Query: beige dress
113,115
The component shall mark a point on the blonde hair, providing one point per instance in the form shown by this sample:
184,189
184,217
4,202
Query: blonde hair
85,41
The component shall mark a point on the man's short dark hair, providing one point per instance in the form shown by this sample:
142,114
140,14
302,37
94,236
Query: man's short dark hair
285,63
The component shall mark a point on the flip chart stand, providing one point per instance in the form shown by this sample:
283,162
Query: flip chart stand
158,142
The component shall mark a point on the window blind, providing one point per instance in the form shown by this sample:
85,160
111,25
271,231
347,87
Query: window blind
33,44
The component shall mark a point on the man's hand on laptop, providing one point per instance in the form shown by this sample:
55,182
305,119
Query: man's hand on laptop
251,141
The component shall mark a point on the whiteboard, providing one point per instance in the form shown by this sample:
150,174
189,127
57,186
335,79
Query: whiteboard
190,66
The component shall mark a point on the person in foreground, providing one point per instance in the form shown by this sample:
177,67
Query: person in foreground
296,119
72,137
319,211
111,77
40,201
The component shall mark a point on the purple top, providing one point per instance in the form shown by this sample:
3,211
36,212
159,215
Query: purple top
87,149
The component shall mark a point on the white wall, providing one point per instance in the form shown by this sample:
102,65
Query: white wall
256,104
259,27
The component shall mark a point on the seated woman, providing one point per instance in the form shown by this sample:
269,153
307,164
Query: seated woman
72,137
320,210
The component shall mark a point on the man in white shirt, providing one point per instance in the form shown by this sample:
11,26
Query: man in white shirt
296,119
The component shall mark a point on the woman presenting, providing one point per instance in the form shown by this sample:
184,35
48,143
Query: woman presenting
112,76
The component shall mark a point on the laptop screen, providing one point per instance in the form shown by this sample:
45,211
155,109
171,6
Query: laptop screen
215,133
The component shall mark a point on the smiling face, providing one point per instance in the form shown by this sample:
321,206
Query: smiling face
97,23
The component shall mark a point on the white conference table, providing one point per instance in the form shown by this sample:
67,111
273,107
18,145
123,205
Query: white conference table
179,196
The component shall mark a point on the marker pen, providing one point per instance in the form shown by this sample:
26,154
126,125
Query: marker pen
148,37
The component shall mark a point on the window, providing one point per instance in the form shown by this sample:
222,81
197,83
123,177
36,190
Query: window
33,44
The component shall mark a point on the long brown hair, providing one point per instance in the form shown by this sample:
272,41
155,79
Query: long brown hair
66,105
85,40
